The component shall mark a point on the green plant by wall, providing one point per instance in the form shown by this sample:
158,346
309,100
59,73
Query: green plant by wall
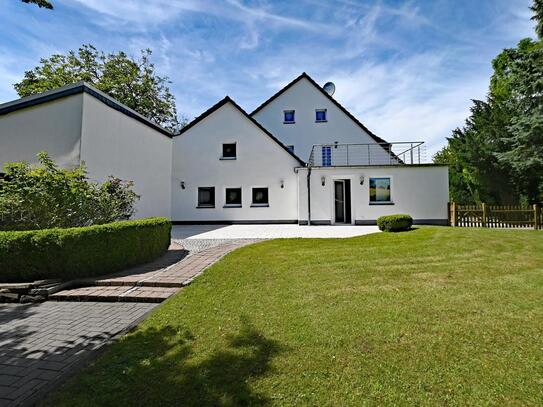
81,252
395,223
46,196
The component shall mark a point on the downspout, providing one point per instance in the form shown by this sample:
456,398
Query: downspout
309,196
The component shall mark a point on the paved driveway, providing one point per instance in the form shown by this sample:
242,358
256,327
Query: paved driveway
42,344
204,232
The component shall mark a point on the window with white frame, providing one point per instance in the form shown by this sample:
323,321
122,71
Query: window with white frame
320,115
206,197
229,151
260,197
380,190
232,197
289,116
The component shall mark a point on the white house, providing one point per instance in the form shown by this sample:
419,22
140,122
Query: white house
299,157
78,123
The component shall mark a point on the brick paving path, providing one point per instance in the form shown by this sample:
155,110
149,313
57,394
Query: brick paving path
156,281
42,344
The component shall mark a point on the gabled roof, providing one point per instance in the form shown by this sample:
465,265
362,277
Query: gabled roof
334,101
74,89
220,104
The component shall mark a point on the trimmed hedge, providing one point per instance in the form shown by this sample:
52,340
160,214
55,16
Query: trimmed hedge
81,252
395,223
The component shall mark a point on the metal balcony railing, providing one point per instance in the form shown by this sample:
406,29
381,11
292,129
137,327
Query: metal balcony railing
345,155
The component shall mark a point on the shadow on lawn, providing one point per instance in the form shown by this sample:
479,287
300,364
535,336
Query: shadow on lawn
161,367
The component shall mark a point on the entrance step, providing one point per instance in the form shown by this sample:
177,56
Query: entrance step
115,294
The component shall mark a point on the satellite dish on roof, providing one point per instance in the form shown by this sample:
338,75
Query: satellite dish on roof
329,88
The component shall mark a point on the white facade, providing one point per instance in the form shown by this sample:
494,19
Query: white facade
419,191
82,128
186,177
260,163
54,127
305,98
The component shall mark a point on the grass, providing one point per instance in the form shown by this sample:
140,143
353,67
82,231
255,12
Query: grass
434,316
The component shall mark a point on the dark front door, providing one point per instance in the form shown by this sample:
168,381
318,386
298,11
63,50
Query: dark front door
342,200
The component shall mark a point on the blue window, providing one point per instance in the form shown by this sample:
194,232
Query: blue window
288,116
320,115
326,156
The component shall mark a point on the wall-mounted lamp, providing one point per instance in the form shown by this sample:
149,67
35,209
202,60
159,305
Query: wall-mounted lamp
323,180
182,184
361,180
282,182
335,144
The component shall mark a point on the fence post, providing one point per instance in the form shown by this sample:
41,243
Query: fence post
453,214
485,214
537,216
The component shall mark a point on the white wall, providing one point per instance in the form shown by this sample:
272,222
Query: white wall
419,191
116,144
54,127
260,162
304,98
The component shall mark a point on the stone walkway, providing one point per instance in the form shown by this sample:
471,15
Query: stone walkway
156,281
42,344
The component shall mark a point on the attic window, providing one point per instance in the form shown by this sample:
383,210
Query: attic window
288,116
320,115
229,151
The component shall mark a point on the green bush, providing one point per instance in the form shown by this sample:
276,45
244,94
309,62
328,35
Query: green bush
395,223
81,252
45,196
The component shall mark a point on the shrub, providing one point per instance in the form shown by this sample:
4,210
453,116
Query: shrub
46,196
81,252
395,223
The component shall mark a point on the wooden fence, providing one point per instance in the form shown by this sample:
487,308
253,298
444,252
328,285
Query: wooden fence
496,216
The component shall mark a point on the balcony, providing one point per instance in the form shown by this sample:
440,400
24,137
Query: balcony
349,155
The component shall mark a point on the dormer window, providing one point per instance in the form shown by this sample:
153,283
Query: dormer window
320,115
288,116
228,151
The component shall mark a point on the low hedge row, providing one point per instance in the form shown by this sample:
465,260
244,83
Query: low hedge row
394,223
81,252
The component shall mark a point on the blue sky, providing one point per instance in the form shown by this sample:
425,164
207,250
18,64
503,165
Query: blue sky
406,69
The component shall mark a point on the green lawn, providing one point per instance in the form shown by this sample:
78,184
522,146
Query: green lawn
434,316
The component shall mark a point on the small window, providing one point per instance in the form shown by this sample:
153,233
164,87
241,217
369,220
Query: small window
290,148
320,115
229,151
380,190
326,156
233,197
206,197
260,197
288,116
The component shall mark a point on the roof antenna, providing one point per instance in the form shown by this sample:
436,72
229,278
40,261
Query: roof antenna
329,88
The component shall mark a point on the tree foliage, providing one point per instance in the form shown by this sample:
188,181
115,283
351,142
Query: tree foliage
133,82
46,196
40,3
497,157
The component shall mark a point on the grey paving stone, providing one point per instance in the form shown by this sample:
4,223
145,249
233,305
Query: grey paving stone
41,344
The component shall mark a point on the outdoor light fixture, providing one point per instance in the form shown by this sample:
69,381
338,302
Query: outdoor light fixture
282,182
323,180
182,184
361,180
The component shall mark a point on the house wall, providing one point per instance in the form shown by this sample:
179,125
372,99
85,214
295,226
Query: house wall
54,127
118,145
304,98
419,191
260,162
